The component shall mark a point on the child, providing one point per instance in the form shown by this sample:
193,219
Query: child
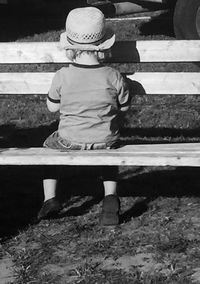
89,97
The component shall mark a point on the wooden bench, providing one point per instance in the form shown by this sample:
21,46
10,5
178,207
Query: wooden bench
176,83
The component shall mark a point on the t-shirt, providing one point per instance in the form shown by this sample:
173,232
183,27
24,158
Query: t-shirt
90,98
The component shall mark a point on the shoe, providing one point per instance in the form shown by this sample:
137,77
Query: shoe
110,211
49,209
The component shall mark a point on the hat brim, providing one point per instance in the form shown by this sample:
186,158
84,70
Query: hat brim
107,43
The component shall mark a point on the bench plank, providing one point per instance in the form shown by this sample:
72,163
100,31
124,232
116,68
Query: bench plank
123,51
152,82
184,154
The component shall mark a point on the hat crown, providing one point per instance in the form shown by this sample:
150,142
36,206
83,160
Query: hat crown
85,25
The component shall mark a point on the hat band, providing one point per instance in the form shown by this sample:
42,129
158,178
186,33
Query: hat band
96,42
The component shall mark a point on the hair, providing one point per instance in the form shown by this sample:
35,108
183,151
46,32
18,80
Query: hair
72,54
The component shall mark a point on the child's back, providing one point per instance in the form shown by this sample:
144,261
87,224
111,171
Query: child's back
90,100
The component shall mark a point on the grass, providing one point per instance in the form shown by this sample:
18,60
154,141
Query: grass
158,238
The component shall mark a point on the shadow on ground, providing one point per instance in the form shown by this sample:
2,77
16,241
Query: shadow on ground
160,25
18,22
31,17
21,192
13,136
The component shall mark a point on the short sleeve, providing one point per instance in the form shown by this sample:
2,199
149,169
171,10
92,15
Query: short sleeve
123,92
54,91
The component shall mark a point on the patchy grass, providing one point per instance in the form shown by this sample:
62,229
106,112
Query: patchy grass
157,241
158,238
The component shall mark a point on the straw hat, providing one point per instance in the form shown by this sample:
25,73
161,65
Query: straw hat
86,30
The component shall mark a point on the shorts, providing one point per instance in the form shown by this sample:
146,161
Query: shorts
54,141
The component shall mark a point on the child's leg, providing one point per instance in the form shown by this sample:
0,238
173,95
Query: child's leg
50,205
110,187
49,186
111,202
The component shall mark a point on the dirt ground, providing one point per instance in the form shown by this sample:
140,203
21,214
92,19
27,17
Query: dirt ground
157,241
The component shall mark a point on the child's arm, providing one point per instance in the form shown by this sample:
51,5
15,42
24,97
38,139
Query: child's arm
125,108
123,95
53,98
52,106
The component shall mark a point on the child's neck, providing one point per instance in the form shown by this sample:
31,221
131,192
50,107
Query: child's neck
87,59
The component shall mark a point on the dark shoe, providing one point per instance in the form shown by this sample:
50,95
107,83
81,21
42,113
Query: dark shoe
110,211
49,209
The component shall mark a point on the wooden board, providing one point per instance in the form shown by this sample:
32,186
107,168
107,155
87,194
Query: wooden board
122,51
186,154
147,82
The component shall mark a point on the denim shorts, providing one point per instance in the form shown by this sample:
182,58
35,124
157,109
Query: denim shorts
54,141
